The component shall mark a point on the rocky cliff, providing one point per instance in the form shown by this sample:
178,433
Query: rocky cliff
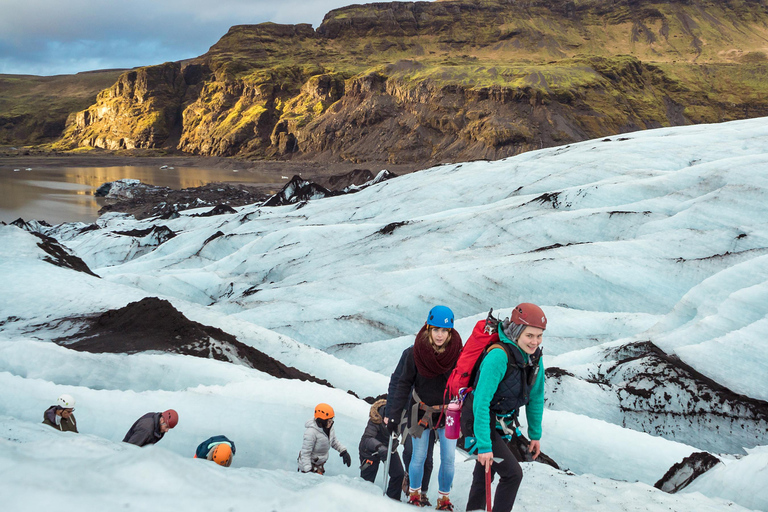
34,109
443,81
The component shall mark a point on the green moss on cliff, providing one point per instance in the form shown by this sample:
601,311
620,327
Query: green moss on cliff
242,117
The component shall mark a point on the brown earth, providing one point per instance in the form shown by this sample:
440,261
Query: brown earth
154,324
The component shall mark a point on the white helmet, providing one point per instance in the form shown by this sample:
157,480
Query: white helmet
66,402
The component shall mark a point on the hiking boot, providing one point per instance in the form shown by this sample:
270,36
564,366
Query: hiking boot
414,498
443,503
425,501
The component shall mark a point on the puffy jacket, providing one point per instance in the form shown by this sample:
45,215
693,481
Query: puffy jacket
146,430
376,434
501,391
316,444
206,446
65,425
514,390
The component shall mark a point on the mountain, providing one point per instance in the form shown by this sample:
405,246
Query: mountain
648,253
442,81
34,109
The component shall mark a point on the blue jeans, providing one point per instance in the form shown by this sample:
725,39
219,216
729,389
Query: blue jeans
447,458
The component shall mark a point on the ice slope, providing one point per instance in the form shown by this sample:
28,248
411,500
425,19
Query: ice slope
658,237
41,299
668,225
265,417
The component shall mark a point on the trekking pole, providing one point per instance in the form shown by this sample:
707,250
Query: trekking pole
386,463
488,490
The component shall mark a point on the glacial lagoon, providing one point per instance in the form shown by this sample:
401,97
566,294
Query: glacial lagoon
65,194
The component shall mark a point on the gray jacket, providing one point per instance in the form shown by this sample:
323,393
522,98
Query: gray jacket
315,447
145,431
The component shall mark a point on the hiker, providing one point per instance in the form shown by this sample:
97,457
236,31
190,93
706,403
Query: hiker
318,439
421,389
510,375
151,427
374,449
408,443
219,449
60,416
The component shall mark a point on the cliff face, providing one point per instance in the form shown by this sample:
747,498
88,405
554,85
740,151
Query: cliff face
443,81
397,119
34,109
139,111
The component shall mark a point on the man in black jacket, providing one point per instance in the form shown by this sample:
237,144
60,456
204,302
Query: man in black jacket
151,427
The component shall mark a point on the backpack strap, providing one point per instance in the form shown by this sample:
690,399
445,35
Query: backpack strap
496,345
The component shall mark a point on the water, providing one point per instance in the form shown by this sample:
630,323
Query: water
65,194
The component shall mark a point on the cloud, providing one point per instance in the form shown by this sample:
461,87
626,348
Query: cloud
47,37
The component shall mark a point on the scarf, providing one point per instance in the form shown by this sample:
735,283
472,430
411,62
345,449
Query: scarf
429,363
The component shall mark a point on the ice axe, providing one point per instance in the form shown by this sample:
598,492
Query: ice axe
474,457
386,463
488,505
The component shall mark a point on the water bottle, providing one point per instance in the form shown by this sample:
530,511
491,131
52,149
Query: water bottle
453,420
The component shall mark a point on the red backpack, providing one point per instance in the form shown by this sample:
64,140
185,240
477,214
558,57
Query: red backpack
483,335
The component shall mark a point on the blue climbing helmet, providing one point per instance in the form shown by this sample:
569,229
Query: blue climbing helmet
440,316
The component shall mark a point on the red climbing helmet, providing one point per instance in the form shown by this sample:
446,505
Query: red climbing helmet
529,314
171,418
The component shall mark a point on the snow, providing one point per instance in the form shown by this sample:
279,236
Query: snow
657,236
733,479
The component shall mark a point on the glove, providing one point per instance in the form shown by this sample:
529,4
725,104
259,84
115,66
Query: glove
392,425
346,458
383,453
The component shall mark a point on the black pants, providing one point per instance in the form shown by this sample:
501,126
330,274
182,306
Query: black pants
396,475
408,451
509,471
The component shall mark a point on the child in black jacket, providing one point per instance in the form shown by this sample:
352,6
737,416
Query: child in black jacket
373,450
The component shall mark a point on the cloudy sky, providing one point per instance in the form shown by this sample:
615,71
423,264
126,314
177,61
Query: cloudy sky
49,37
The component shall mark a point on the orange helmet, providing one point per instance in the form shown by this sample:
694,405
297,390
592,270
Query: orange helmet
323,411
222,454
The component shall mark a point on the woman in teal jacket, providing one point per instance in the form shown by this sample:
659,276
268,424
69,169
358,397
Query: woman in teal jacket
511,375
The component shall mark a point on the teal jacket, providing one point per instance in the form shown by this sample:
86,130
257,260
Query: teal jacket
492,370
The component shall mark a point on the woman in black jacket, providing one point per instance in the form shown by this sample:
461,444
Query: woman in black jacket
422,389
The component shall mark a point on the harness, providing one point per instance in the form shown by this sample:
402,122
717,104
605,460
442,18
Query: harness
509,431
427,420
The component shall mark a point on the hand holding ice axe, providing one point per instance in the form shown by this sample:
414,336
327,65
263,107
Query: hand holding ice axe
486,459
